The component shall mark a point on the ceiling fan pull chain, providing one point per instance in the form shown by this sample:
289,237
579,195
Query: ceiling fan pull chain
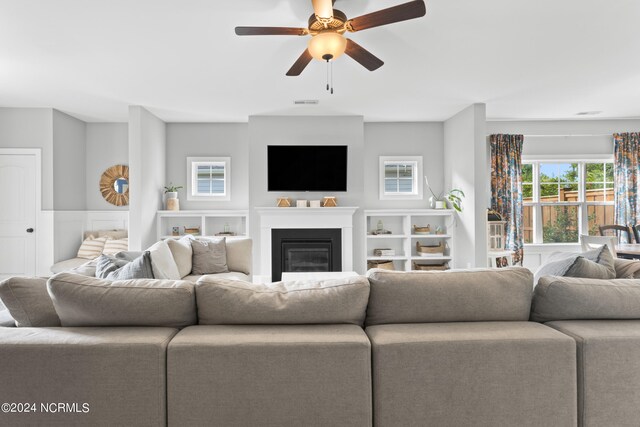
331,77
327,74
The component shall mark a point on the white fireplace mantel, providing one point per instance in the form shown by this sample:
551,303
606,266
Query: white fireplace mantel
334,217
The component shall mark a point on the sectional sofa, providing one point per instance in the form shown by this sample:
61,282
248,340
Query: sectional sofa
451,348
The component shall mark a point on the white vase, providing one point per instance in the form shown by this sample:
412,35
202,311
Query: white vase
174,205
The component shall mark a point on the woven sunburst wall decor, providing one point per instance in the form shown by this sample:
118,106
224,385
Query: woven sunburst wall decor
108,185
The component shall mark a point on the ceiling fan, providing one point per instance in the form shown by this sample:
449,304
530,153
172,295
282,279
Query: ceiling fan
327,27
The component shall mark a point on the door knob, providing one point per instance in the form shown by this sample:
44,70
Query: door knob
29,230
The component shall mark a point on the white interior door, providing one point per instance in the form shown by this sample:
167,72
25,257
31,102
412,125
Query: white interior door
18,187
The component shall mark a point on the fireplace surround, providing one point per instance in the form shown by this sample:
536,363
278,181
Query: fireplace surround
274,218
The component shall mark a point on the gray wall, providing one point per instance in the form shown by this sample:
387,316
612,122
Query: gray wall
69,161
209,140
147,159
31,128
465,165
107,144
306,130
402,139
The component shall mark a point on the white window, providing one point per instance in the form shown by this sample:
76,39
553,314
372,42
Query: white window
400,177
209,178
563,199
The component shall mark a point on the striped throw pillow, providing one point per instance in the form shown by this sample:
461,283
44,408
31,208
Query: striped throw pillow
113,246
92,247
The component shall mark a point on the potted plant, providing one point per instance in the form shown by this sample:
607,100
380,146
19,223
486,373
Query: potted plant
441,201
171,197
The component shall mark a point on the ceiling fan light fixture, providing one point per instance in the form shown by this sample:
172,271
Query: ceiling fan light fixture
328,45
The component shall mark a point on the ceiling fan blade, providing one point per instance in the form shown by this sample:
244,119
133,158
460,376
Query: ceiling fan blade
299,66
363,56
271,31
403,12
323,8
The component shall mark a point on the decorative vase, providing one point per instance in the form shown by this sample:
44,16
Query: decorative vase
171,201
441,204
432,202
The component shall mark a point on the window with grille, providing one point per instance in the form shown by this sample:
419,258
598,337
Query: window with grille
209,178
562,200
400,178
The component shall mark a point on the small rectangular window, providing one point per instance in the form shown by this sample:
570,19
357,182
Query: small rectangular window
400,177
209,178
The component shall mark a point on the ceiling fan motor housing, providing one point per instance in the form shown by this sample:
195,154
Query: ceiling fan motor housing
336,23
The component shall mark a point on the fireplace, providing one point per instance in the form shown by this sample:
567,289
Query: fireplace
305,250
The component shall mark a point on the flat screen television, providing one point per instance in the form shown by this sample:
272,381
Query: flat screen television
307,168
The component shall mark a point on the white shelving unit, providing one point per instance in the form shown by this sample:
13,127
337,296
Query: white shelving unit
402,239
210,222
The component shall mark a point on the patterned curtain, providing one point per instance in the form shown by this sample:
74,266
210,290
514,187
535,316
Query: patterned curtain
627,175
506,188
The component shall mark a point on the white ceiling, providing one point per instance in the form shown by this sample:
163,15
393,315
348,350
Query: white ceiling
526,59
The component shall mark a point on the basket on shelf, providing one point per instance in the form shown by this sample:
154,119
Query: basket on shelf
382,264
427,251
430,267
192,230
422,230
384,252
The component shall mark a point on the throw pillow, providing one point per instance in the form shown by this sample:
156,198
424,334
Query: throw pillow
227,302
113,246
88,301
209,256
582,267
627,268
92,247
559,263
182,254
29,302
162,262
111,268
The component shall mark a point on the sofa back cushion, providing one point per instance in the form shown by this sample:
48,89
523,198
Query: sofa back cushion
162,262
449,296
239,255
182,254
228,302
572,298
28,301
88,301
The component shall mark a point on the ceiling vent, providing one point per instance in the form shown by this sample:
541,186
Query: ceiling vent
306,102
588,113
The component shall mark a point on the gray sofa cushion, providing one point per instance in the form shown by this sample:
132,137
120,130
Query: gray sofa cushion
222,301
497,374
269,375
627,268
209,256
111,268
571,298
450,296
88,301
119,372
28,301
608,370
582,267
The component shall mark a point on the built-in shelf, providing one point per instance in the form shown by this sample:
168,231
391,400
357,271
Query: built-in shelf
209,222
403,240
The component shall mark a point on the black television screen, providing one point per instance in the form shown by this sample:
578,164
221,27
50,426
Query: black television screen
307,168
